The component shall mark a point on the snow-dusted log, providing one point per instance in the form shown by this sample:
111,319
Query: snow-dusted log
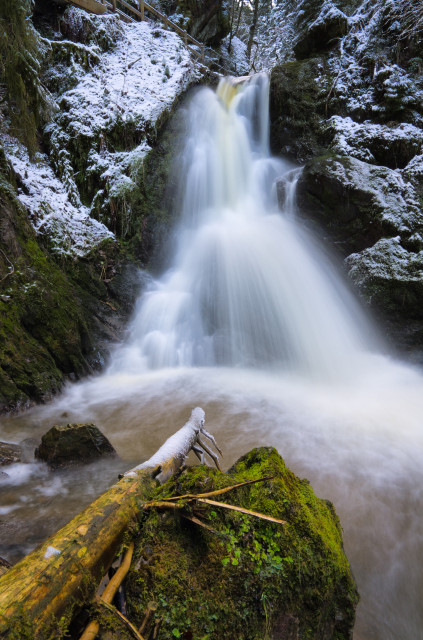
66,568
172,454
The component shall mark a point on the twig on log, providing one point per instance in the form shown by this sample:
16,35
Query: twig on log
92,629
155,632
148,616
123,618
203,524
247,512
219,492
179,503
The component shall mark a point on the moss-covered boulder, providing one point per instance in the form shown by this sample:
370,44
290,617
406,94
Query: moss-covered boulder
245,577
73,444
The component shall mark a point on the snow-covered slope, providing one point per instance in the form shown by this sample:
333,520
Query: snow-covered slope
103,127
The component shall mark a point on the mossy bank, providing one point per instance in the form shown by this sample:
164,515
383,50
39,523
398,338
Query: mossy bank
56,313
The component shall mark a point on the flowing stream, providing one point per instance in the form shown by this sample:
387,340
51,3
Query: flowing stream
252,323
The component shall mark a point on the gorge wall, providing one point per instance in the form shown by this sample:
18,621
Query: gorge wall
348,102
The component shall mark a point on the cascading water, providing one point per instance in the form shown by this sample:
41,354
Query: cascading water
247,287
252,323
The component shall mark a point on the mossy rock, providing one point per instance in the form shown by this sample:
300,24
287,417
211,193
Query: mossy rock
298,107
248,578
73,444
55,317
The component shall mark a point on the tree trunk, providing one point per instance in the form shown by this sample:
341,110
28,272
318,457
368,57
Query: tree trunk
253,28
39,589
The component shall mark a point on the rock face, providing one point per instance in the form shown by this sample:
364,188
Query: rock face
245,577
357,204
206,20
72,444
67,283
320,24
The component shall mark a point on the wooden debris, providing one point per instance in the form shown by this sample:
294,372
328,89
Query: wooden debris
148,617
109,592
219,492
63,571
121,617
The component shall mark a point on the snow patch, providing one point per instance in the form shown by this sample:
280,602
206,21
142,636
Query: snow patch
70,228
354,139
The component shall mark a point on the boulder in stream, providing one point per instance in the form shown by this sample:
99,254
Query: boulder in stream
72,444
10,453
239,576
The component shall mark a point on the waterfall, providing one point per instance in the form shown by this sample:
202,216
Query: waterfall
247,287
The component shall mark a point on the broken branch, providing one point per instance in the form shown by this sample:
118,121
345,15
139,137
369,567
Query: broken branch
123,618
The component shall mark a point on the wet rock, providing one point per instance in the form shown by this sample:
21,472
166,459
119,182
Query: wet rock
10,453
246,578
356,203
298,94
72,444
390,276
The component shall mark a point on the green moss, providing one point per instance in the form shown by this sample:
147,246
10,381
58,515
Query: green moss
299,106
46,308
250,577
19,69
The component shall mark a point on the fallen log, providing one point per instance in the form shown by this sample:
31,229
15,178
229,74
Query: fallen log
64,571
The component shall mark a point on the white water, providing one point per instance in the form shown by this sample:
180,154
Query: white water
252,323
247,286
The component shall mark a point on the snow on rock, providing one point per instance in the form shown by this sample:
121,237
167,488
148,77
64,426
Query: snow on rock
391,146
414,170
387,260
70,228
233,52
108,121
104,126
